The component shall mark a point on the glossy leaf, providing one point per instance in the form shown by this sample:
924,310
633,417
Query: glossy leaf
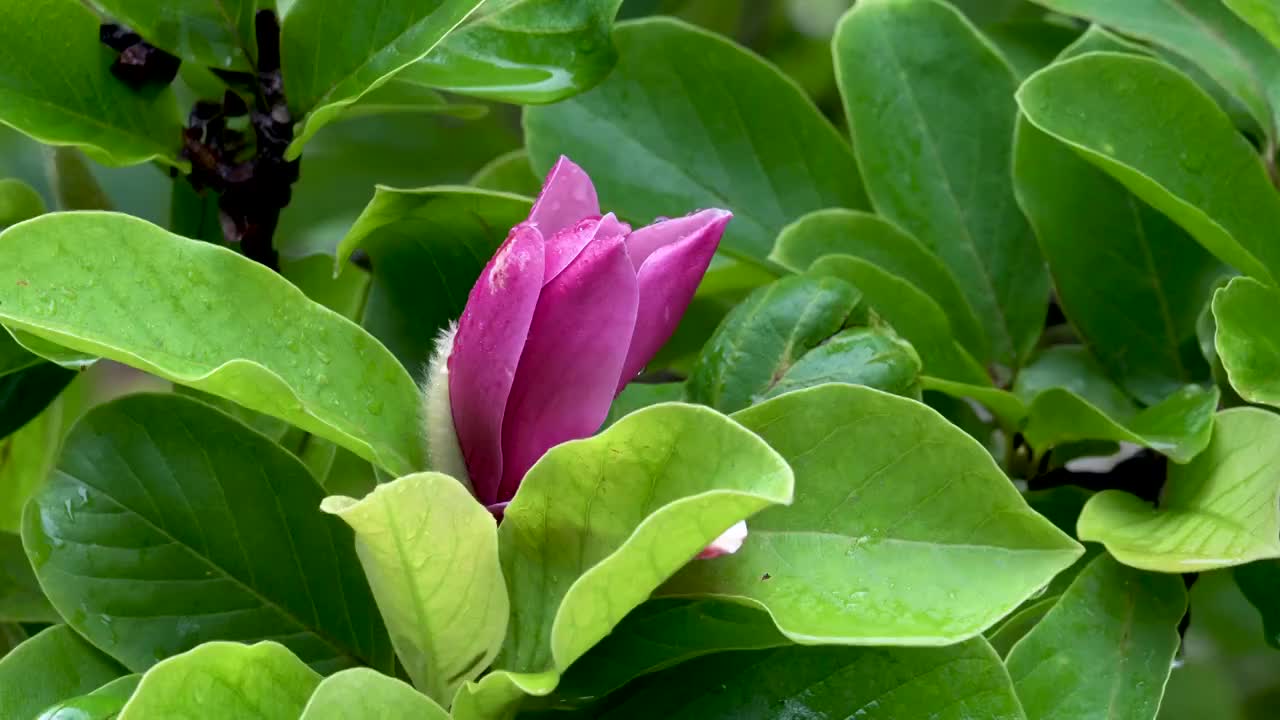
885,245
53,665
577,558
663,633
214,33
896,510
18,201
913,314
1262,15
1259,581
330,56
761,339
737,134
950,683
1200,171
1131,281
1106,648
951,189
365,693
403,95
217,531
1205,32
871,356
1219,510
525,51
430,552
13,356
1246,341
104,703
57,87
21,599
1020,622
263,681
425,244
499,694
297,360
509,172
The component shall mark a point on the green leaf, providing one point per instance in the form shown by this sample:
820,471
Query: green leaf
27,457
1106,648
404,95
1069,400
1263,15
427,247
1259,581
896,512
430,552
21,599
26,393
69,279
331,56
1131,281
55,664
1016,626
951,190
762,338
365,693
215,33
14,357
639,395
262,681
1199,171
526,51
577,558
885,245
949,683
168,523
509,172
1029,45
870,356
662,633
499,694
104,703
1219,510
57,87
18,201
1203,31
737,134
1246,341
915,315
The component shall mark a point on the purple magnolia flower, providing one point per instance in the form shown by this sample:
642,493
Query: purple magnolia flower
568,310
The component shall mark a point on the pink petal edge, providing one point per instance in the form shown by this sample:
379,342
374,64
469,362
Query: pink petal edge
729,542
567,196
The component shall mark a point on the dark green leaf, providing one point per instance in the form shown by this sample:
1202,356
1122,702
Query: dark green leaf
641,395
1260,583
215,33
26,393
1263,15
56,664
168,523
1246,339
661,140
18,201
21,599
104,703
1029,45
935,149
509,172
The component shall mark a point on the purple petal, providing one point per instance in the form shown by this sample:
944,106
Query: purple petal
567,196
572,358
486,351
678,253
729,542
568,243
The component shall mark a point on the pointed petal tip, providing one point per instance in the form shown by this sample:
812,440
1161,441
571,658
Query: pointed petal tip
567,196
729,542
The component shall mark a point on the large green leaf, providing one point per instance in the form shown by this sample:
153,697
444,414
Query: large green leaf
1206,33
18,201
21,599
168,523
599,523
1199,171
262,681
214,33
662,633
1246,341
54,665
896,512
911,312
1131,281
56,86
948,187
1219,510
363,693
876,240
209,318
525,51
104,703
1263,15
661,140
427,247
430,552
951,683
1106,648
331,56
